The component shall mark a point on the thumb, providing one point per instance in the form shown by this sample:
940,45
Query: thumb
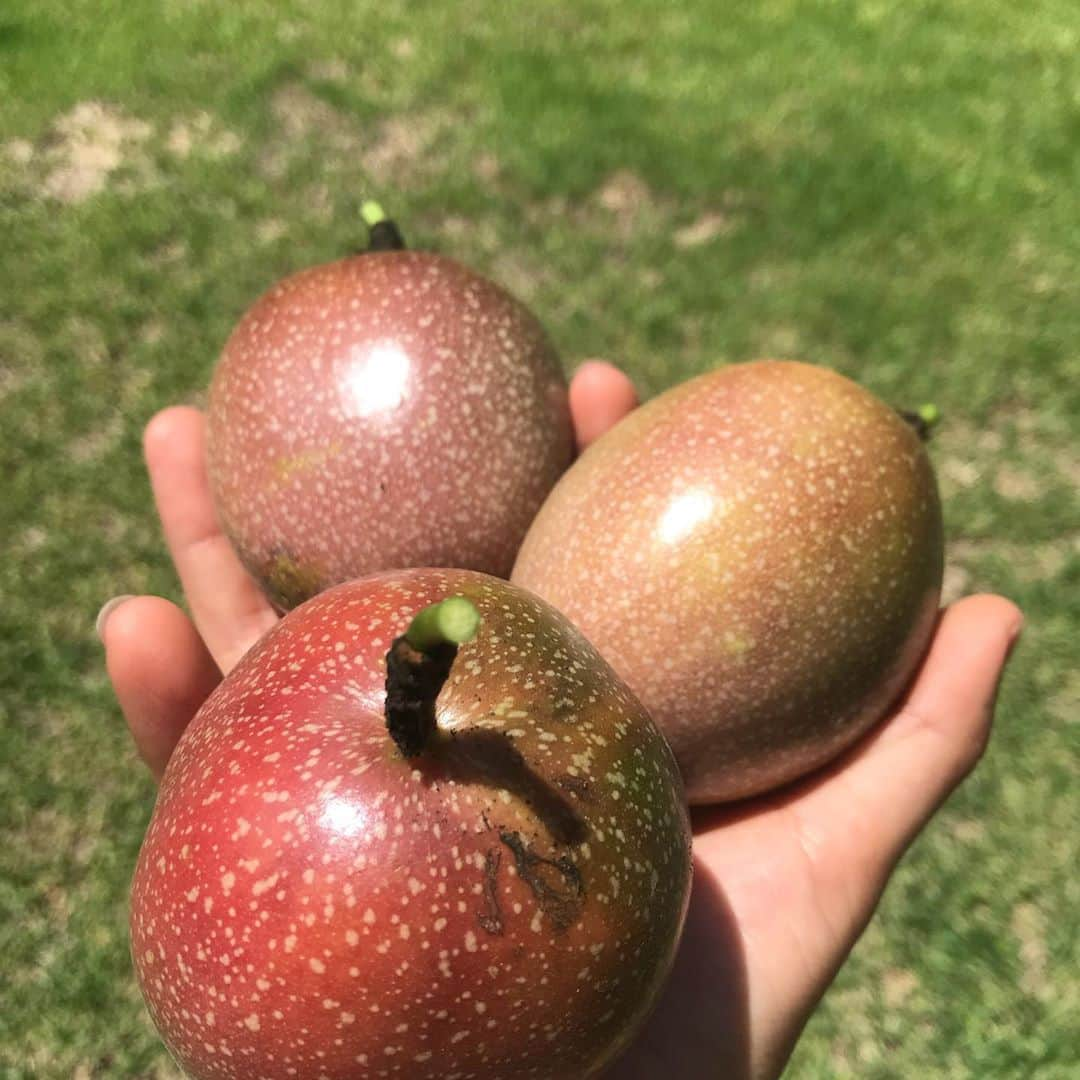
950,706
890,785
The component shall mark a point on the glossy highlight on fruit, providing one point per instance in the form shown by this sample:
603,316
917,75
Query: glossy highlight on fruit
758,552
507,902
358,402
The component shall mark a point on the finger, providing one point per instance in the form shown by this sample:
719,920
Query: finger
227,606
160,670
600,396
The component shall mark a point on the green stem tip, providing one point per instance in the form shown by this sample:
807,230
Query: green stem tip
372,213
452,621
929,414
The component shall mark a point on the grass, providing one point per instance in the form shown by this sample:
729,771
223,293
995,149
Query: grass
889,189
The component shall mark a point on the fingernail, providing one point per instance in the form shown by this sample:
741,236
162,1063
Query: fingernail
106,610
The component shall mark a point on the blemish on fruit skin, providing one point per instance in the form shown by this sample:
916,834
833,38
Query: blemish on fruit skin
442,890
773,535
320,412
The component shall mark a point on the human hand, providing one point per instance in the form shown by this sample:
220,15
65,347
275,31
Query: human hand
784,884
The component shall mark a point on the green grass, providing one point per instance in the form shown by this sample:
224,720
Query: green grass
893,189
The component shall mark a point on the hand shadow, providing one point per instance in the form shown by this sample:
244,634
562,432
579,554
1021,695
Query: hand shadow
709,967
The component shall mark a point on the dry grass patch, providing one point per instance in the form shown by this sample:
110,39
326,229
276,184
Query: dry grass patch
86,146
201,134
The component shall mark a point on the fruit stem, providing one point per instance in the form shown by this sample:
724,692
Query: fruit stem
417,666
923,419
383,234
452,621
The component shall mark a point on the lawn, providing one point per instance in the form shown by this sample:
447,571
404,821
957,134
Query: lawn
891,189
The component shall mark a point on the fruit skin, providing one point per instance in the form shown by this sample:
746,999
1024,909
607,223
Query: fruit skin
758,552
359,401
303,891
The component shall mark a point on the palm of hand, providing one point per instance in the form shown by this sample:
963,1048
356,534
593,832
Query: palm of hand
783,884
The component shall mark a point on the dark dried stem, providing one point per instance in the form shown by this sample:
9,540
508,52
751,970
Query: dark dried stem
383,234
923,420
417,666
